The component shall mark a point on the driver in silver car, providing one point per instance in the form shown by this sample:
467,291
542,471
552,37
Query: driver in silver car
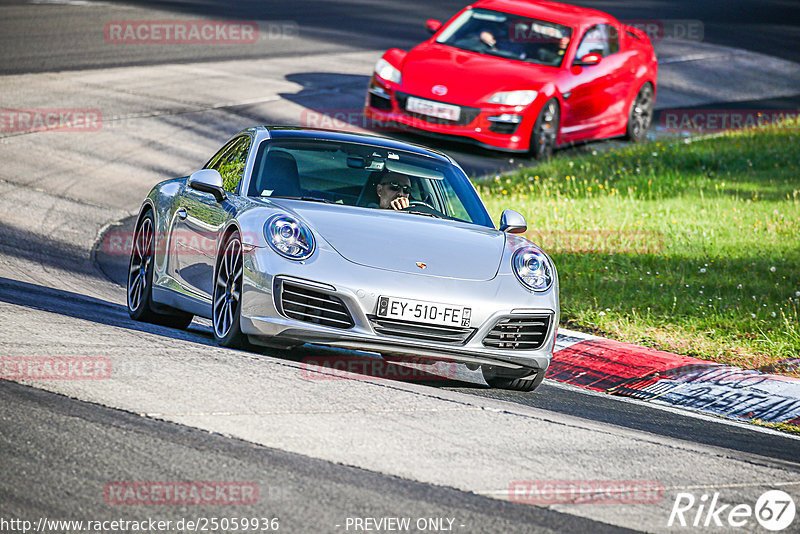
393,191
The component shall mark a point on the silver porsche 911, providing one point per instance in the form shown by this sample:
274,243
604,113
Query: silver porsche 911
290,236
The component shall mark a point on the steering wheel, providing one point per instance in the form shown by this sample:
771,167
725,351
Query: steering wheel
413,203
419,206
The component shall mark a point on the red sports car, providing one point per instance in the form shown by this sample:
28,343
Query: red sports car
519,76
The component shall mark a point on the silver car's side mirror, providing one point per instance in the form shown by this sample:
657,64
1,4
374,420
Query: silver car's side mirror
208,181
512,222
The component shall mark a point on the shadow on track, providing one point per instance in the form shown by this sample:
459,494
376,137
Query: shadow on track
87,308
48,251
319,363
324,364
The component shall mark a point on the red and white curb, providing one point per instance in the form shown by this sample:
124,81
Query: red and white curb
664,378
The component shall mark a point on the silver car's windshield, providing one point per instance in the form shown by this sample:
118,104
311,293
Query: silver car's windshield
510,36
350,174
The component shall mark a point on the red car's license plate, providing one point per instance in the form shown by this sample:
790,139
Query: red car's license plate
433,109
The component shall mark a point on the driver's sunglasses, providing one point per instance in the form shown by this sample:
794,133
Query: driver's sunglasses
394,186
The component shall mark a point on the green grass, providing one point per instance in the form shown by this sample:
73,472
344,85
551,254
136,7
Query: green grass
784,427
687,247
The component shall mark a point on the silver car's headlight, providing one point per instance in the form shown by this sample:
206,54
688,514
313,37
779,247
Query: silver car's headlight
513,98
532,269
387,71
289,237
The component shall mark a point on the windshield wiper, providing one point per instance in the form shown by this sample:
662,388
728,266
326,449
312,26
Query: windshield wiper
309,199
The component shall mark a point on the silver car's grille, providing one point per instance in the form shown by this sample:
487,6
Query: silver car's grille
306,304
453,335
518,333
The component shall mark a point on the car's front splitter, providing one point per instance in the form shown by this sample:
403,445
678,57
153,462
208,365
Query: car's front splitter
518,142
357,289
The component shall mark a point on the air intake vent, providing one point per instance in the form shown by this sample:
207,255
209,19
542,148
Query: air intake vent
518,333
380,102
311,306
452,335
506,128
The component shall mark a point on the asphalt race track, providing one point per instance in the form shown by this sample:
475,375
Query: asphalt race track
320,449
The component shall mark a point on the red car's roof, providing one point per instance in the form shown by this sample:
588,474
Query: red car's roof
565,14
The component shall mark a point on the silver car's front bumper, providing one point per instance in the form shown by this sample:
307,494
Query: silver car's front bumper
359,287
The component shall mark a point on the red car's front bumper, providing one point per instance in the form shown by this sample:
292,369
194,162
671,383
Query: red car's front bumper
506,128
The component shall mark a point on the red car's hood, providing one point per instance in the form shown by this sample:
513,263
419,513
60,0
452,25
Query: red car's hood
471,78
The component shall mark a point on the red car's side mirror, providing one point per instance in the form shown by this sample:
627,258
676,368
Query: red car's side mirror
590,59
433,25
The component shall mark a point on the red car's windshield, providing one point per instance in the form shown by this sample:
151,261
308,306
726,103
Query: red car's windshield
510,36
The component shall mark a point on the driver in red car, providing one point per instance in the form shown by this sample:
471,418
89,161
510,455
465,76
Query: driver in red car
393,191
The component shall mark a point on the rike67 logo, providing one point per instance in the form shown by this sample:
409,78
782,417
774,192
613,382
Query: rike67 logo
774,510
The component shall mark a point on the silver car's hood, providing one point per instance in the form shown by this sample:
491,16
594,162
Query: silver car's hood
398,241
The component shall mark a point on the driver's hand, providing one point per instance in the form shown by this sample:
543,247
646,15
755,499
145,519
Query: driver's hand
400,203
488,39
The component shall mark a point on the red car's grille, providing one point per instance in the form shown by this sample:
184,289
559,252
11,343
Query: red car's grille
468,114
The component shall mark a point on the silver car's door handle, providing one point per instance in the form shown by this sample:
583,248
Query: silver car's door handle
182,214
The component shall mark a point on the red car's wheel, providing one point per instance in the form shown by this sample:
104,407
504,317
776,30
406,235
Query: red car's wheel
641,113
545,131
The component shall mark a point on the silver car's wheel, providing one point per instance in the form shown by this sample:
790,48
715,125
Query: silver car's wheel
139,271
500,381
227,303
641,113
140,281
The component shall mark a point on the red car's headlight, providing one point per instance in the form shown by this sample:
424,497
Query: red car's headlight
387,71
513,98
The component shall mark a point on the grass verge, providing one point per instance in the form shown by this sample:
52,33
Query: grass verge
689,247
784,427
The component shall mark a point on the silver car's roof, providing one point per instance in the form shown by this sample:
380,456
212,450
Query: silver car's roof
277,132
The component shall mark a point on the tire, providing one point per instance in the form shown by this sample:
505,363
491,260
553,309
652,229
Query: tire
140,280
545,131
641,114
226,311
511,383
